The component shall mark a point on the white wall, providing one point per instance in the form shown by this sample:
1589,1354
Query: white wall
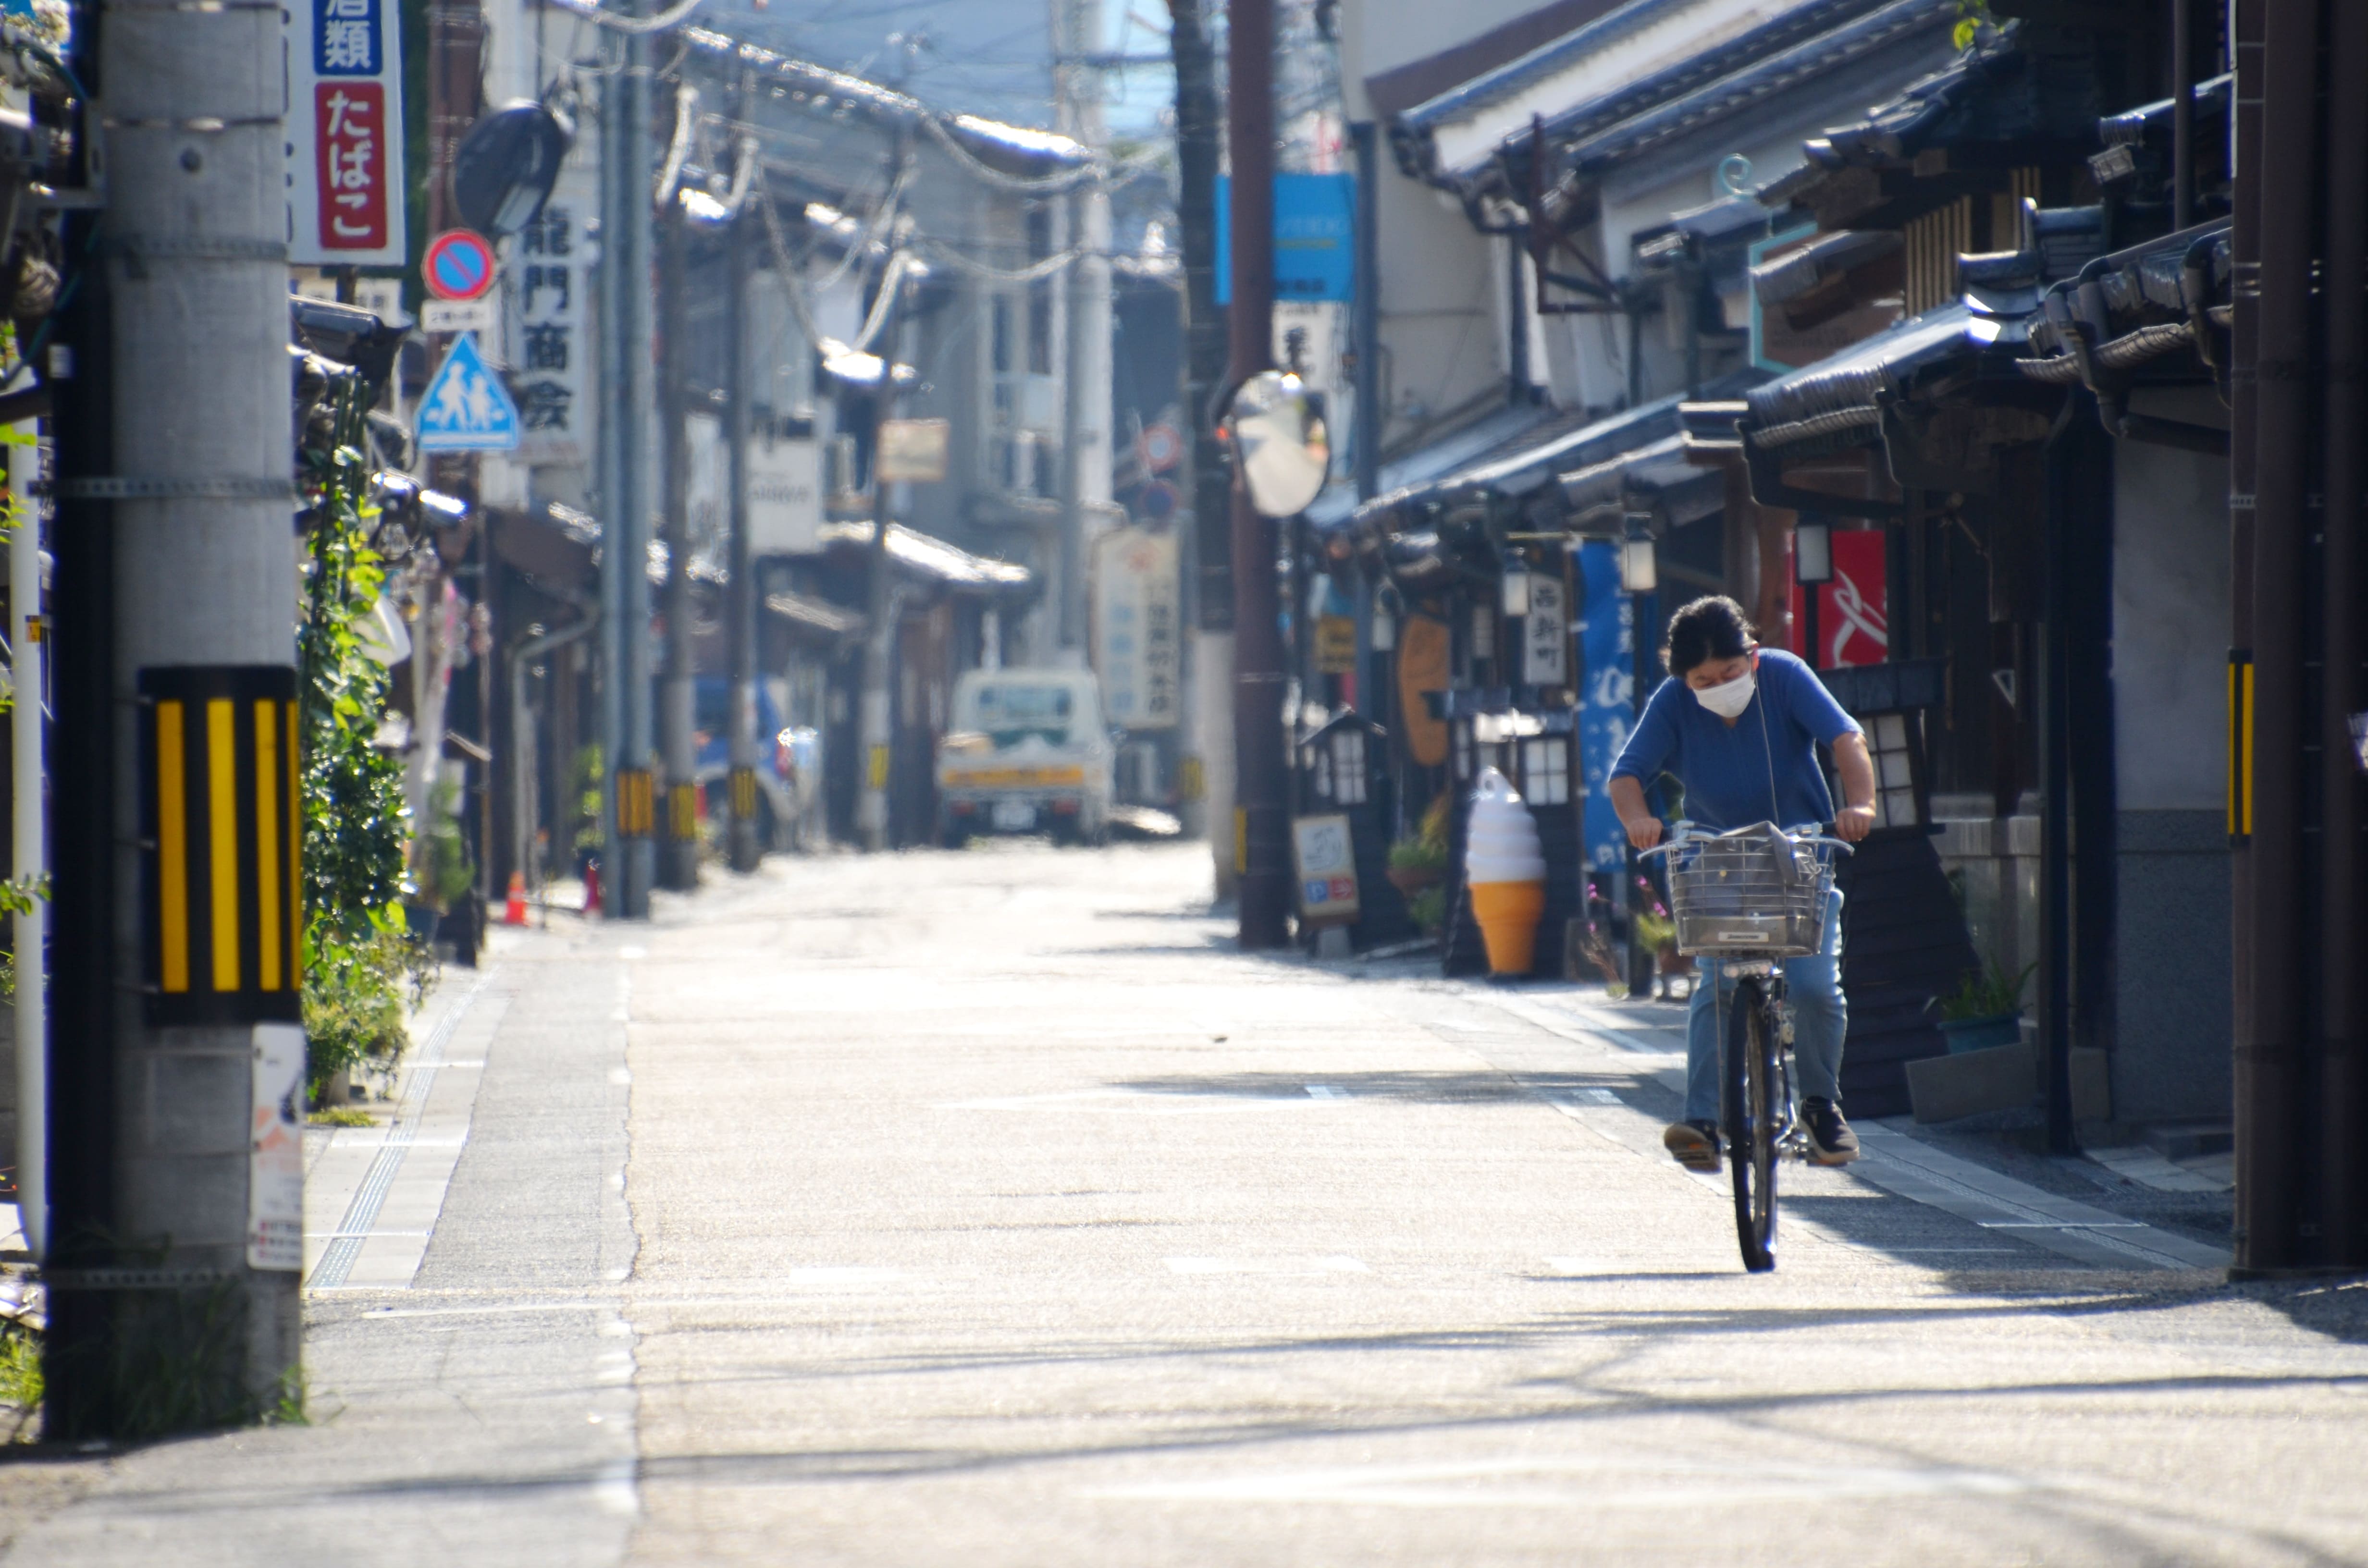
2170,626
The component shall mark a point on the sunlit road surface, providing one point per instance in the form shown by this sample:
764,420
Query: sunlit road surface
988,1209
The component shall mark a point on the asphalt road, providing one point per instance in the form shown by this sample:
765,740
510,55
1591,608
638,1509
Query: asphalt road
988,1209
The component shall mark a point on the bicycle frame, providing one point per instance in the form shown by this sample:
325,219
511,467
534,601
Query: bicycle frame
1748,891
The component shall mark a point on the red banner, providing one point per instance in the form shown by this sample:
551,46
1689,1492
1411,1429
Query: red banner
1853,611
350,143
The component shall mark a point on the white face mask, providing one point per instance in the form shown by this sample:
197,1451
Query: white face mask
1728,698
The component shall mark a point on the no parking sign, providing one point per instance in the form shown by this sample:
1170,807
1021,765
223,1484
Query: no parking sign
459,265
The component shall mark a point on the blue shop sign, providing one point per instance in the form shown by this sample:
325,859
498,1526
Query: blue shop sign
1314,237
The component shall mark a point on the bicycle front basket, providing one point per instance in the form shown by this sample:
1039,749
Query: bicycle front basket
1750,894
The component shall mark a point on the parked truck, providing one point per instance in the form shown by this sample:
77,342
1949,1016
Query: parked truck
1028,753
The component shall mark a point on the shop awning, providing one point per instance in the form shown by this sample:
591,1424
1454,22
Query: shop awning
1834,402
927,557
1660,482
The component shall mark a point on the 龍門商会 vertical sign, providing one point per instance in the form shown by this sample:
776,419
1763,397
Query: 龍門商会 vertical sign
549,290
345,133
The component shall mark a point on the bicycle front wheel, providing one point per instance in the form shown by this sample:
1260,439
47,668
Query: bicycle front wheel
1752,1112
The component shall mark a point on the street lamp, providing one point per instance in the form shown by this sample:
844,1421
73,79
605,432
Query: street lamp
1812,566
1384,625
1513,587
1813,552
1639,572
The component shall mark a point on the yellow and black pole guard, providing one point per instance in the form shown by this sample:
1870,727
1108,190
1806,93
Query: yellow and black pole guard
636,802
222,842
682,813
2240,744
744,794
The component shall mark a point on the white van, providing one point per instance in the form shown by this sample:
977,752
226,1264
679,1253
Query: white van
1029,753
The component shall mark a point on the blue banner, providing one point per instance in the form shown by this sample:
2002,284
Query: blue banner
1607,704
1314,237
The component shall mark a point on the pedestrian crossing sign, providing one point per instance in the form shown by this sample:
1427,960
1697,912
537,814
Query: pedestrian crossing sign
466,408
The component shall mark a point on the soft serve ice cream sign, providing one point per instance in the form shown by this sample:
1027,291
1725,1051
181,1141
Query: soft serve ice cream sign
1505,873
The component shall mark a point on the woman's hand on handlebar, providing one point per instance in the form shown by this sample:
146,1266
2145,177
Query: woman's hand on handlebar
1643,829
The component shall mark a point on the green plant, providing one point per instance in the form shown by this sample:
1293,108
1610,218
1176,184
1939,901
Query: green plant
1972,16
20,1375
1415,853
342,1116
590,800
444,869
1427,909
1655,931
359,953
1986,992
354,997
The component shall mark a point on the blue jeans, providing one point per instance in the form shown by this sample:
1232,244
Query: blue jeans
1821,1018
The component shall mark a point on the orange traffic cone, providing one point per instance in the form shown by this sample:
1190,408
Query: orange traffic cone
514,908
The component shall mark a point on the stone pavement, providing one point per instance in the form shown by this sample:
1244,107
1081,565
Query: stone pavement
986,1209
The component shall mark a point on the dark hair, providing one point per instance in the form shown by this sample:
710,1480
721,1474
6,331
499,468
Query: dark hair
1712,628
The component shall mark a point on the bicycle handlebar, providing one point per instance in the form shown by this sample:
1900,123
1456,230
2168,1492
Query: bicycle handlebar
1681,832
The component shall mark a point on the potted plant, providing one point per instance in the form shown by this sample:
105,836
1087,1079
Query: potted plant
1417,863
1420,860
1985,1009
1657,931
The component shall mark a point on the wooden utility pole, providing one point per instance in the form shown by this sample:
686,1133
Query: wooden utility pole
1261,797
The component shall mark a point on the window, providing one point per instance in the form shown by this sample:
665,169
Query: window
1348,768
1890,742
1545,771
1316,762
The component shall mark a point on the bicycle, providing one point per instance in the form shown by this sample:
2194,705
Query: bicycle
1745,900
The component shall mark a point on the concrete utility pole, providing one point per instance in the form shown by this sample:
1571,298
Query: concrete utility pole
880,607
1086,400
876,718
740,594
1260,784
1213,541
176,593
627,427
678,849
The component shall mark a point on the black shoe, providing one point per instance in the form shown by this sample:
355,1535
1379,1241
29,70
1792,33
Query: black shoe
1694,1145
1831,1141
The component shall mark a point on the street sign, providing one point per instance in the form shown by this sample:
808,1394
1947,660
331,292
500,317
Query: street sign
456,316
1137,630
459,265
466,408
784,497
1156,501
1314,237
913,450
345,133
1159,447
1545,632
1326,862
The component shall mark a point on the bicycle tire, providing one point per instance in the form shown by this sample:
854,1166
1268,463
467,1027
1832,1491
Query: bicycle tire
1751,1116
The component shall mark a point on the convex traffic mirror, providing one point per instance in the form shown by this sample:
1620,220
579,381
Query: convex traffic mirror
505,165
1280,442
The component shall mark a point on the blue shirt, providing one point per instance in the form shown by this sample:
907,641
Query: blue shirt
1726,769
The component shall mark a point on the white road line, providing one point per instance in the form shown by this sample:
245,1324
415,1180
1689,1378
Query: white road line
1267,1265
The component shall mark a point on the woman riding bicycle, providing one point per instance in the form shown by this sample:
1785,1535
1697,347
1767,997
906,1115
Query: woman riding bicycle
1738,725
